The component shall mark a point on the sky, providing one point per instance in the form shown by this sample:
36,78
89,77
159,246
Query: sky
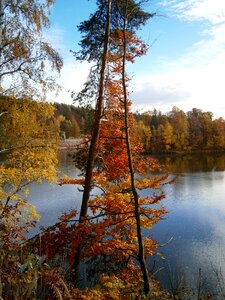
185,64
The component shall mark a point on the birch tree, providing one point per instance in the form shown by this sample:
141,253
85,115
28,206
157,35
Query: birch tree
26,57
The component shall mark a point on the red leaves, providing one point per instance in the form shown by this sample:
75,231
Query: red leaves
135,47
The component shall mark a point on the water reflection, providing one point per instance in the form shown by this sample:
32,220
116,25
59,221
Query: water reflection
193,162
51,200
195,219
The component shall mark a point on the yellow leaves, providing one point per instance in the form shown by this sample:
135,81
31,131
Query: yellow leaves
29,133
14,197
154,182
28,211
92,294
22,53
31,211
100,180
32,135
2,195
27,122
141,131
19,49
112,282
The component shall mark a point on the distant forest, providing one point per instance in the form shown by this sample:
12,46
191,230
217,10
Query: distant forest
175,131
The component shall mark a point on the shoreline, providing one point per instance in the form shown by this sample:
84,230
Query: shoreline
69,144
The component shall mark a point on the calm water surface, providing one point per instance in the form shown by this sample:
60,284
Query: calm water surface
195,221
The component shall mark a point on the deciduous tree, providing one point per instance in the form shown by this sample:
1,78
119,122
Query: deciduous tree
29,139
26,57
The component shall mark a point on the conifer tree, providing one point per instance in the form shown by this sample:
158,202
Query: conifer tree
96,125
92,43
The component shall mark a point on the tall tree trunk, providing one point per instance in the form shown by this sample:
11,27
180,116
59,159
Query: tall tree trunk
93,144
141,258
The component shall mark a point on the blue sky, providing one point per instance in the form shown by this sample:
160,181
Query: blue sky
185,64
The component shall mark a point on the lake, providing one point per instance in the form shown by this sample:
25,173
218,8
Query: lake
195,257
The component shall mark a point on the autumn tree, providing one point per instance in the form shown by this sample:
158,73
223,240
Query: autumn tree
219,133
71,128
195,128
25,55
179,123
28,134
207,130
108,235
202,130
30,154
95,46
131,11
88,52
158,139
144,132
110,232
169,138
177,131
81,115
128,17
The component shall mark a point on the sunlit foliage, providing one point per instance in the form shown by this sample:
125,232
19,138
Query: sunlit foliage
28,141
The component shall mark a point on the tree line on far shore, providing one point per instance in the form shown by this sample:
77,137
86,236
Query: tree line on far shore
175,131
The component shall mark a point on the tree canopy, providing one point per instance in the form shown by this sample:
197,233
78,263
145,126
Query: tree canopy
26,57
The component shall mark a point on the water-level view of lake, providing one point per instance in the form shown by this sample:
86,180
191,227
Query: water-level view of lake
192,234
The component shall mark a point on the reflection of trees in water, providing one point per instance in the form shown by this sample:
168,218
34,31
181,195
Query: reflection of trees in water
194,162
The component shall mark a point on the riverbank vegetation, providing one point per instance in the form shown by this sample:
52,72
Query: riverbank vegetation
171,132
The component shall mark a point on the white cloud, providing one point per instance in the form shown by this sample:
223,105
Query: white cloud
209,10
73,74
72,78
196,78
201,87
55,37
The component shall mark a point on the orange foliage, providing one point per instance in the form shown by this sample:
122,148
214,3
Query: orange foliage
109,231
63,181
